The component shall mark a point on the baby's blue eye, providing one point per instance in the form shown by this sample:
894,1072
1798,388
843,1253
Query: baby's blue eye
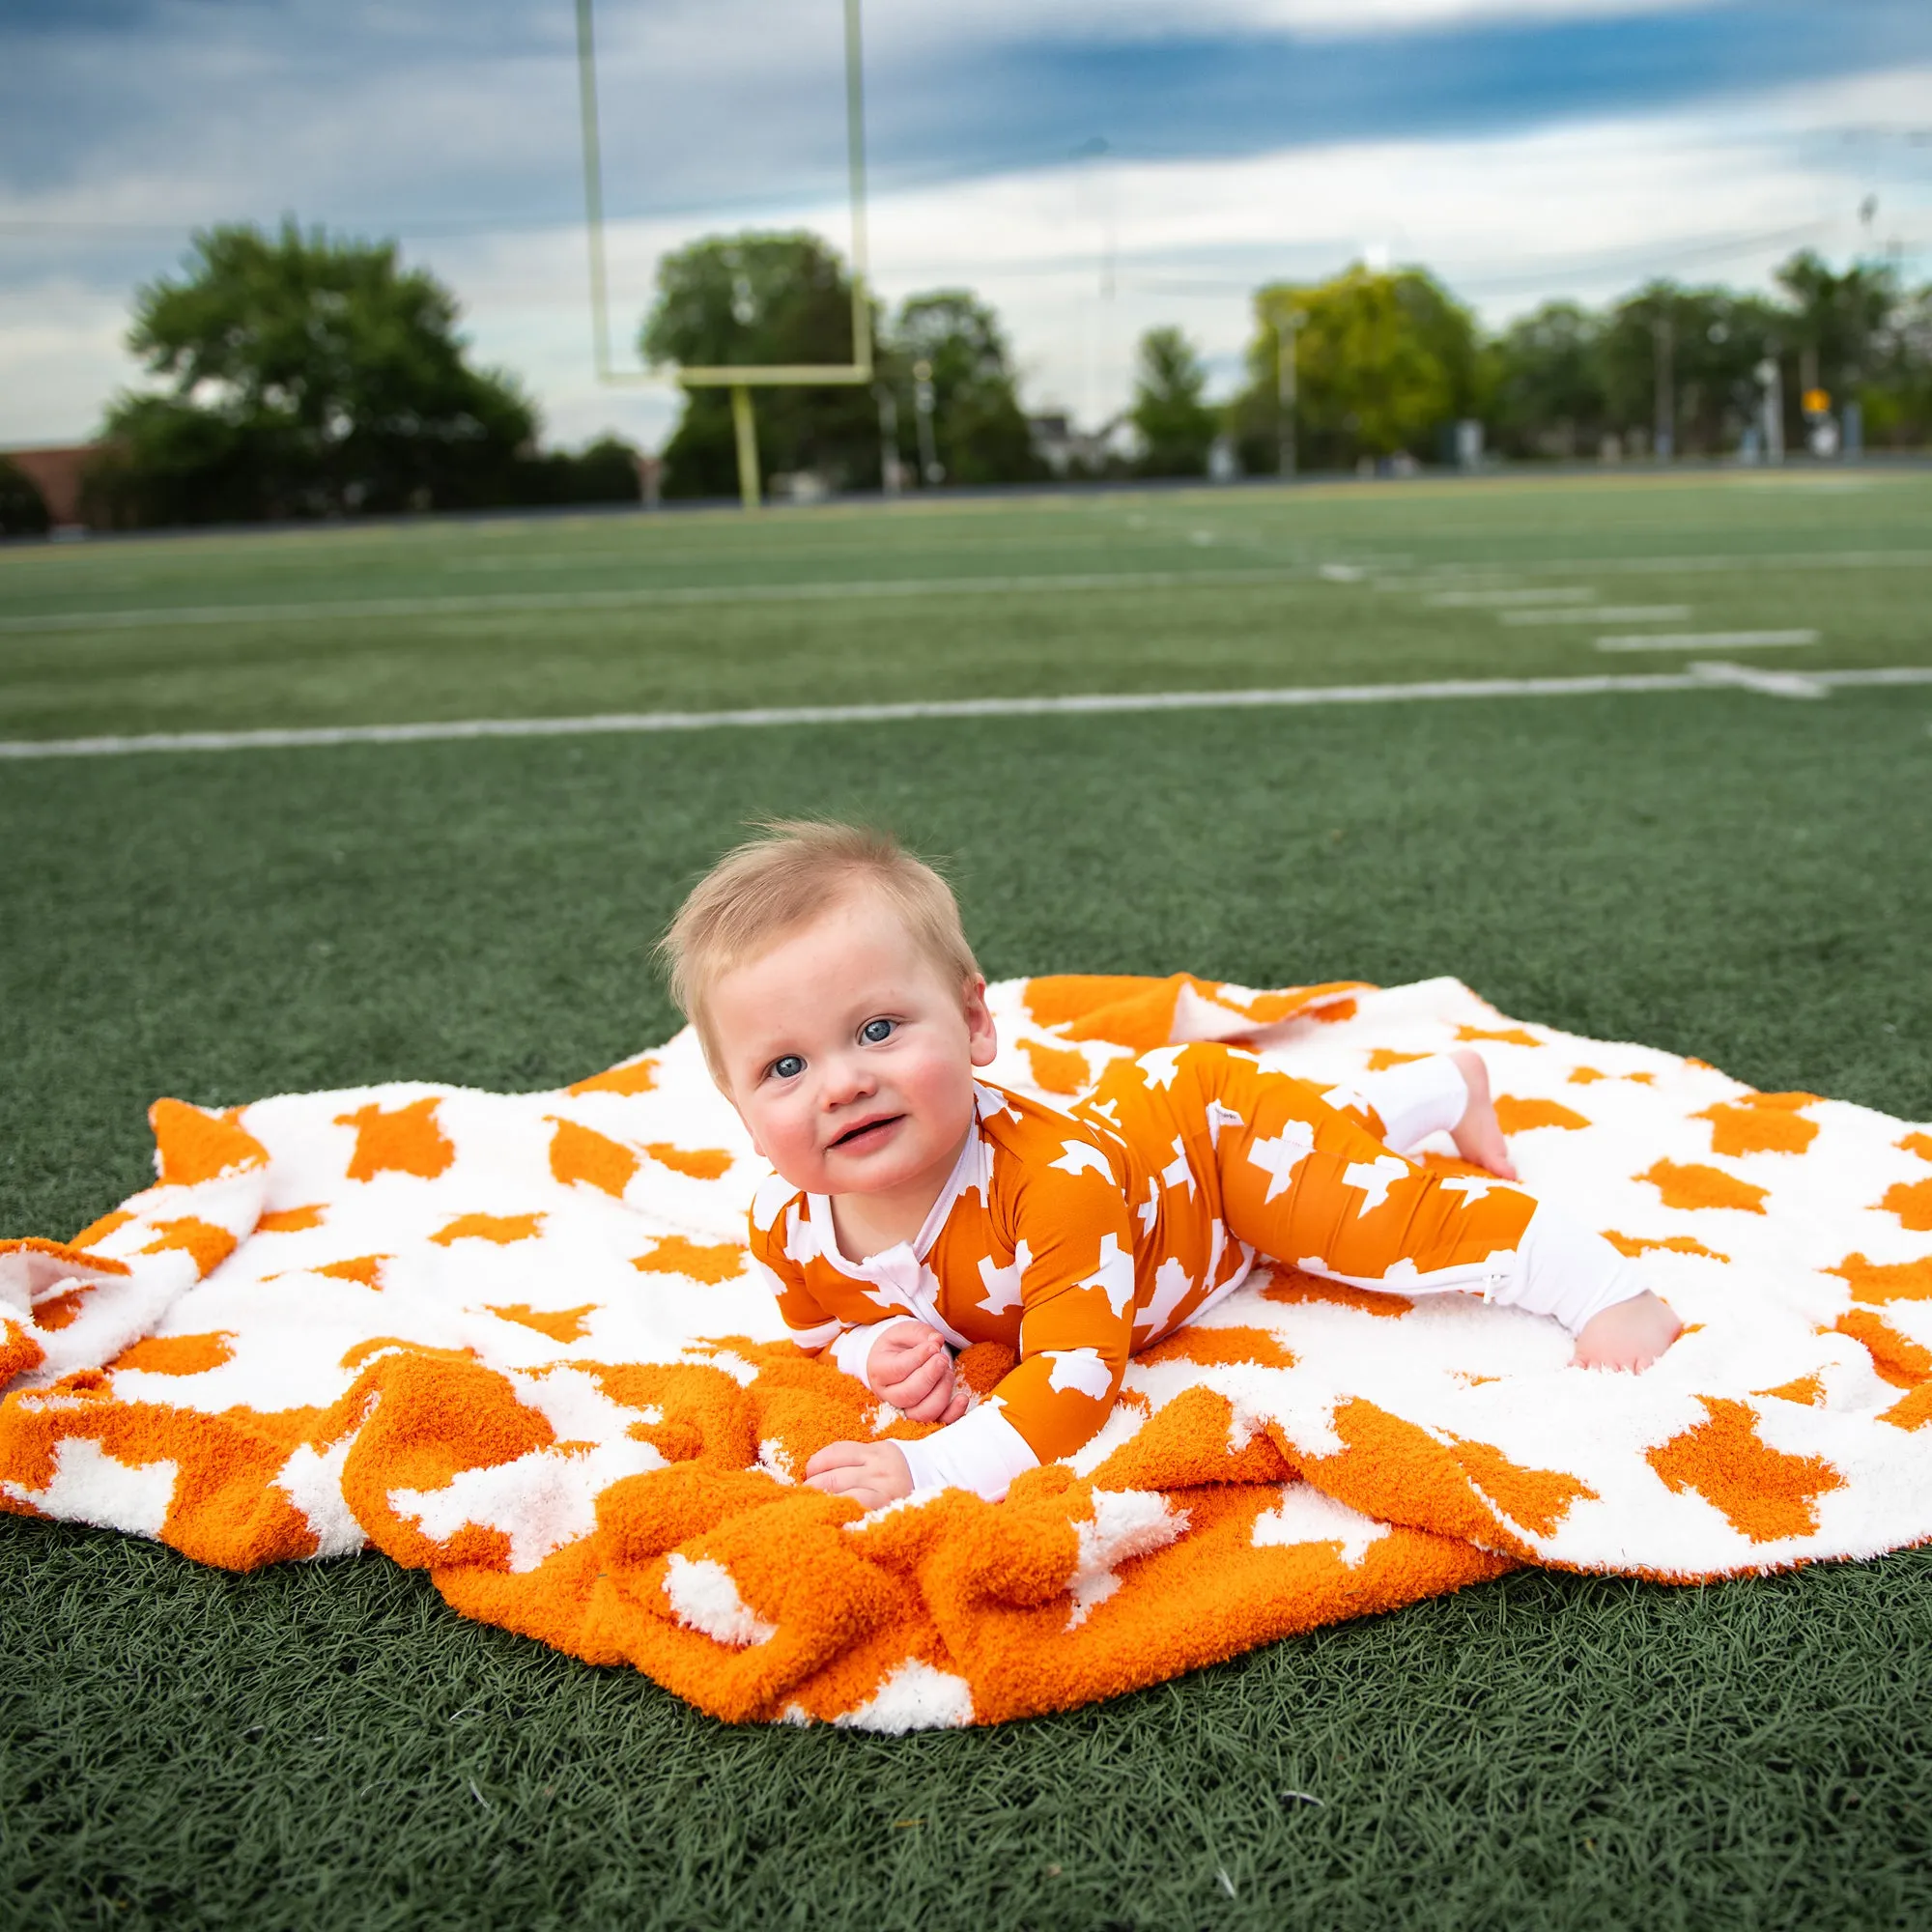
875,1033
787,1067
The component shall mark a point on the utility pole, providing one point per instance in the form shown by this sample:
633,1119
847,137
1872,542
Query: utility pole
1286,333
1771,377
931,470
1095,190
888,439
1663,341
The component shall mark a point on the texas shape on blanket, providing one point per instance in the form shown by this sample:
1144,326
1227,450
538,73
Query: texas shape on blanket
512,1339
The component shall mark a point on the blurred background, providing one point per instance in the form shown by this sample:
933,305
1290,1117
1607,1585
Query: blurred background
284,259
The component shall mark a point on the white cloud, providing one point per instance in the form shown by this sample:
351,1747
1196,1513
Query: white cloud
1583,209
1118,20
1366,15
60,356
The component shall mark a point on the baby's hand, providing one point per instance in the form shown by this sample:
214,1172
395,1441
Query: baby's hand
1628,1334
870,1473
911,1368
1478,1135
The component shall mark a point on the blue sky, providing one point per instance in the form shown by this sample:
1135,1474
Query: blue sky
1524,148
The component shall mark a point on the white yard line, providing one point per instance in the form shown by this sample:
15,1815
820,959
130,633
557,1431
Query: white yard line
1602,613
1697,677
859,545
1698,640
1767,683
1483,599
482,604
1647,566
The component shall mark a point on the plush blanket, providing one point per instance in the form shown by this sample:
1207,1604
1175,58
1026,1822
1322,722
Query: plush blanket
511,1339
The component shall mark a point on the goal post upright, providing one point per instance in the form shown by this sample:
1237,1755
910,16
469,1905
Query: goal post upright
739,377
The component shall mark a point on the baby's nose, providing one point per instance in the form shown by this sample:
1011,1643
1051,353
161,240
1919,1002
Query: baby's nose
846,1080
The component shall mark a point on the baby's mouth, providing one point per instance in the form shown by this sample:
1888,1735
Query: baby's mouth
867,1132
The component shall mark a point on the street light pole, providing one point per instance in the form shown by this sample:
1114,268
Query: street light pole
889,439
1772,377
1663,341
1286,333
931,470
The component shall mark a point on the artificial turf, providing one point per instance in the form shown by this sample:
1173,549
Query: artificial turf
1185,590
1723,873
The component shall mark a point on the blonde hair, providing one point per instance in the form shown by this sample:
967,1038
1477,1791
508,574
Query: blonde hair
766,888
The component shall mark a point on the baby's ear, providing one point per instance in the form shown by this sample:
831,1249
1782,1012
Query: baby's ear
981,1036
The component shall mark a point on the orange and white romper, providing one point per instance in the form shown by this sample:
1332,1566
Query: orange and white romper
1077,1238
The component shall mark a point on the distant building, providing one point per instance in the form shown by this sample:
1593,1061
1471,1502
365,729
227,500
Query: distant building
56,474
1068,451
798,486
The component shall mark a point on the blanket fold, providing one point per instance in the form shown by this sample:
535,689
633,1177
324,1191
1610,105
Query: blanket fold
511,1340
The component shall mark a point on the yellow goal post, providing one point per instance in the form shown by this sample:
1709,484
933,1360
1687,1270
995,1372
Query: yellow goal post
739,377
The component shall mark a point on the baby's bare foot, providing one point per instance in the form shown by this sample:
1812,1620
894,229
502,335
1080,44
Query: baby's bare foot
1628,1334
1477,1135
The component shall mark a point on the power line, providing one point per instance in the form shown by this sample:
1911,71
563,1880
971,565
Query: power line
890,180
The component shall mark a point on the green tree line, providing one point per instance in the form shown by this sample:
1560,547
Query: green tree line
305,376
295,374
1384,364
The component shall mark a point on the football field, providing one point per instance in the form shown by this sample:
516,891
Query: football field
1615,752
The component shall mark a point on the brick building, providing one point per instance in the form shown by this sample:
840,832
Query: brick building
56,474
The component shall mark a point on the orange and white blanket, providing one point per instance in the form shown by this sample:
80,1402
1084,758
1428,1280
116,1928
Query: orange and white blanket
510,1338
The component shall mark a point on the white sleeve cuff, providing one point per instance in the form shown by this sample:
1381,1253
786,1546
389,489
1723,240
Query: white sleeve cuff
1565,1270
1415,1099
852,1349
982,1452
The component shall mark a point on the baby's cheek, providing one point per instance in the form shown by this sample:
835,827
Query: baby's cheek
790,1146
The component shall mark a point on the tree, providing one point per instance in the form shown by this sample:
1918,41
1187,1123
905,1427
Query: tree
1693,354
603,471
1546,383
1710,340
1176,426
1384,362
760,299
1859,337
1896,393
1839,318
980,432
309,376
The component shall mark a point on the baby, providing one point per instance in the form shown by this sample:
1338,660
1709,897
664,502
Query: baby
917,1208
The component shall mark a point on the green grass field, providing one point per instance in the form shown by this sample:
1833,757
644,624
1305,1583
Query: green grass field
1719,871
